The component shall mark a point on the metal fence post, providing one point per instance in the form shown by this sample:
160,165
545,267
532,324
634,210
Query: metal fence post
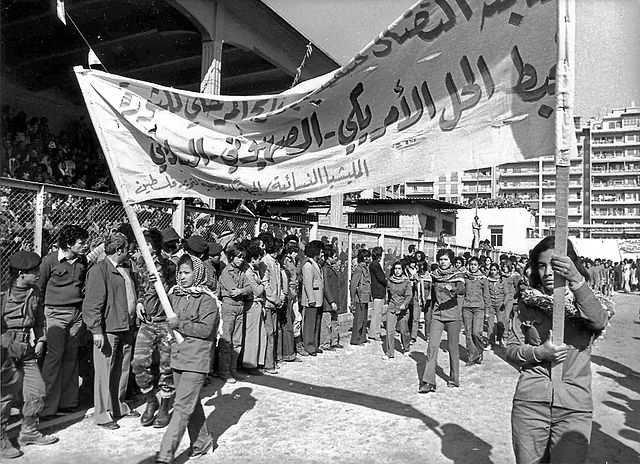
256,232
177,218
39,222
349,261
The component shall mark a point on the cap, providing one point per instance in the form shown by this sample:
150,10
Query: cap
24,260
214,249
197,244
169,235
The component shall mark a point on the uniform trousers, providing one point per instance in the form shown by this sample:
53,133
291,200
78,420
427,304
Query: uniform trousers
188,415
376,318
20,373
398,320
453,338
153,336
359,328
111,365
231,338
541,432
312,319
286,340
60,369
270,329
255,340
329,329
473,326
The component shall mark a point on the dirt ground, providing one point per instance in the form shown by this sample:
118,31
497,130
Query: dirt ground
351,406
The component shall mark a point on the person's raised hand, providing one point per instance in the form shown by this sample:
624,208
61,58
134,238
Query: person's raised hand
550,352
564,266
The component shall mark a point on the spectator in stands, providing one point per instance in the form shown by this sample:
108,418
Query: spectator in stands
62,283
108,311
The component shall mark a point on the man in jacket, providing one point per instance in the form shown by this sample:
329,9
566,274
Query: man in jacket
108,311
360,290
312,296
329,337
378,292
274,298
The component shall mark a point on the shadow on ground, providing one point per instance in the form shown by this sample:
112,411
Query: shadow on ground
458,444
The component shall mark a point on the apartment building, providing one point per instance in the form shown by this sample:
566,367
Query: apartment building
604,181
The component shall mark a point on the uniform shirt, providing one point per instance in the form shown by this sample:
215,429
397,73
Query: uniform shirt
531,328
62,280
231,278
21,308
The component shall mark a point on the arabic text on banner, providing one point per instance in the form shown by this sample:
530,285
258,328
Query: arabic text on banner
451,85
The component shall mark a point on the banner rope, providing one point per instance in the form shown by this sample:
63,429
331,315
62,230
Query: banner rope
84,38
307,54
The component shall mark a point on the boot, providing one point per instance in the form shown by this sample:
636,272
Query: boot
163,414
7,451
149,414
30,435
300,347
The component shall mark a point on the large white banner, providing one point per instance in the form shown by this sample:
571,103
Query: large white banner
451,85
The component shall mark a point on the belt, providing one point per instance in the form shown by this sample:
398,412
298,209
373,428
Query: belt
156,319
21,334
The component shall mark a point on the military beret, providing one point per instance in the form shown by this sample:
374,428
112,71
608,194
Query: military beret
169,235
215,249
197,244
24,260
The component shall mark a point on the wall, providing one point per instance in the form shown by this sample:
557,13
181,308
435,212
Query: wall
514,222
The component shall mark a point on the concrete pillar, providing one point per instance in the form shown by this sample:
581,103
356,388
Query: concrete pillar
336,211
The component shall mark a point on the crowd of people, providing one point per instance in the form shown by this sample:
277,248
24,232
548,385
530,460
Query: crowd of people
246,307
32,152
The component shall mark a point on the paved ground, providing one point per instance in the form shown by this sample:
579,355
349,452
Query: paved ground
351,406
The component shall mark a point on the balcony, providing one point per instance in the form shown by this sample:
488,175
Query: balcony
618,172
528,173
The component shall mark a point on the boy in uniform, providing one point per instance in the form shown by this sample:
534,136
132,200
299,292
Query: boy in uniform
22,311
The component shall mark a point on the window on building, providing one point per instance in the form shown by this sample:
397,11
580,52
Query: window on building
631,122
496,236
431,223
302,217
447,226
374,220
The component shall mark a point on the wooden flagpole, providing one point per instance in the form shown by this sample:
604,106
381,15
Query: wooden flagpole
563,149
131,214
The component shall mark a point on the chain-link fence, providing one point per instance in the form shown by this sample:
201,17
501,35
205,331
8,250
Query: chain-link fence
31,216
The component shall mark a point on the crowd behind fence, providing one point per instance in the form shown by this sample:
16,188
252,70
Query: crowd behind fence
31,215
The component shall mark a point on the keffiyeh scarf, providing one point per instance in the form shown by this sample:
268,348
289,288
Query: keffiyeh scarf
450,275
199,279
543,302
